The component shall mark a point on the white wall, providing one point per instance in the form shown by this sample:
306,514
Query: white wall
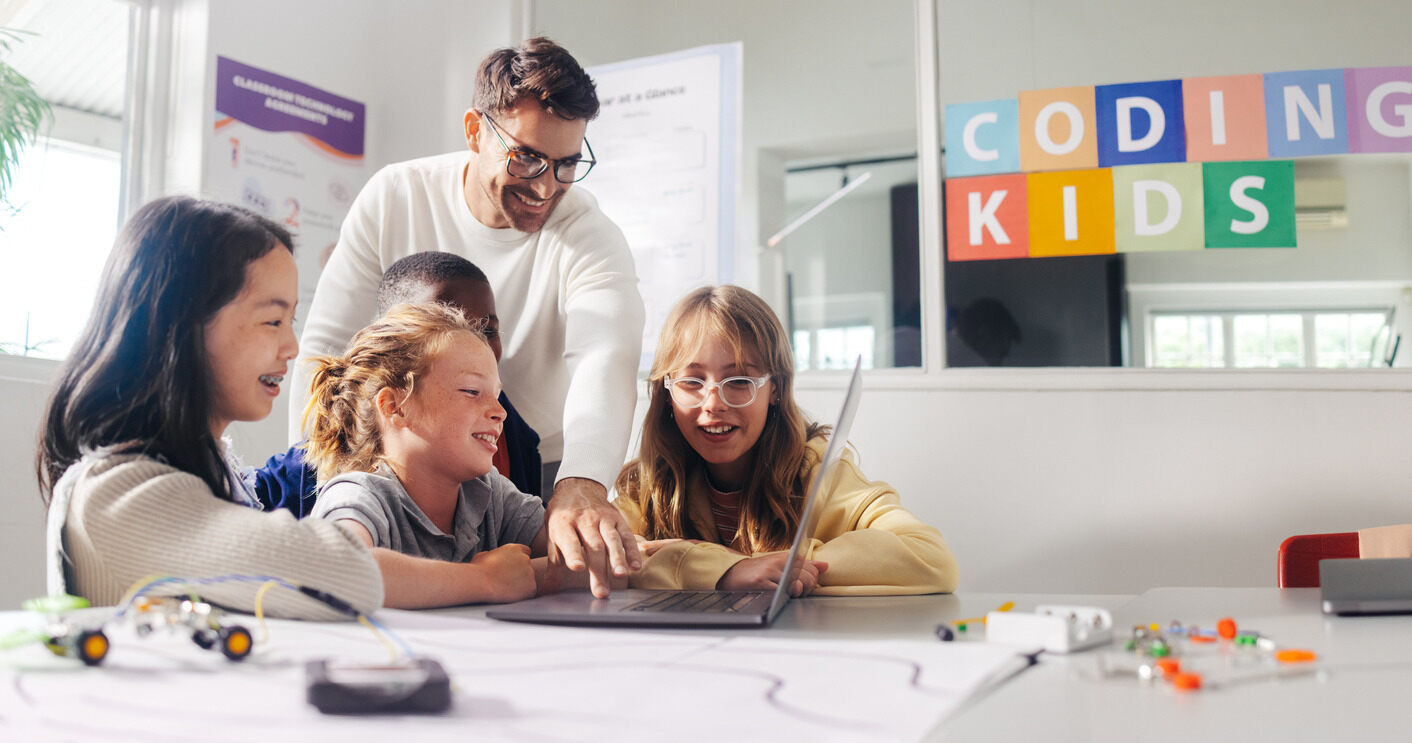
412,63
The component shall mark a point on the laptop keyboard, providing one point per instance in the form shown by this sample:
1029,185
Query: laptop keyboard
705,602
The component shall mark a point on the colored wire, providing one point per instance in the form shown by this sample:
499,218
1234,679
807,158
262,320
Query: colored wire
391,649
260,608
154,580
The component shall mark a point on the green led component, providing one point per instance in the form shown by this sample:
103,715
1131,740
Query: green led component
1132,645
1245,640
961,627
1161,651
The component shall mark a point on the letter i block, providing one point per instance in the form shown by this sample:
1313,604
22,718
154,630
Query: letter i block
1225,118
1379,109
1249,204
986,218
1140,123
1159,207
1306,113
982,138
1057,129
1071,212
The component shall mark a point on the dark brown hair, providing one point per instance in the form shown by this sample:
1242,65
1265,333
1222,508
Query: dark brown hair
539,70
137,377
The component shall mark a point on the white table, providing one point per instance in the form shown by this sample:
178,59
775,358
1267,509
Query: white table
1359,693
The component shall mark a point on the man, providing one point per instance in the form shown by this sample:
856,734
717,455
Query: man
570,314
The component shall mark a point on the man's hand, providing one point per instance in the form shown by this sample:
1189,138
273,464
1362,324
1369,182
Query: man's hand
588,532
764,573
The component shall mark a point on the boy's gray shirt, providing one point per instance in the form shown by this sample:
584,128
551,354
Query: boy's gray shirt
491,513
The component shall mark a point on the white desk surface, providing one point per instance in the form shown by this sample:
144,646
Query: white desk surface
1358,693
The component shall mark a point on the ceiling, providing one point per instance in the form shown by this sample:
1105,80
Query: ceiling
77,55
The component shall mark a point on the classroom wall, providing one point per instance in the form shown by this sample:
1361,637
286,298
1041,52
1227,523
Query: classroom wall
412,63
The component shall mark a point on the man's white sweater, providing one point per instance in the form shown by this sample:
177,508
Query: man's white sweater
570,313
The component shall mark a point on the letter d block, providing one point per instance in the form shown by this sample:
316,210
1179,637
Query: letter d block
1159,207
1249,204
1140,123
986,218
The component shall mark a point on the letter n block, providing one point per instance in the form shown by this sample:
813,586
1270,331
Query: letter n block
986,218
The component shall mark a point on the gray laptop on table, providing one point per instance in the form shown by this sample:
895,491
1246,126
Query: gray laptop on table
641,608
1373,586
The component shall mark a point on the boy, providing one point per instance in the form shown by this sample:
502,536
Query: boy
286,481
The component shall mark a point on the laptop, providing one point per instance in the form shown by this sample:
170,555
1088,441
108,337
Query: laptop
643,608
1373,586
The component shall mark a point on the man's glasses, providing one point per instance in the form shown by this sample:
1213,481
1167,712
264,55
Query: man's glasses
736,392
529,165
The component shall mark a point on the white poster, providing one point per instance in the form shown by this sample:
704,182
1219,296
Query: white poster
291,152
667,141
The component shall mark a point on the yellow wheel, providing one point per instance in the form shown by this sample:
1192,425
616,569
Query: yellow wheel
236,642
91,647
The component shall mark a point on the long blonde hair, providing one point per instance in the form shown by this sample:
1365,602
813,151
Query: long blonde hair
774,492
341,418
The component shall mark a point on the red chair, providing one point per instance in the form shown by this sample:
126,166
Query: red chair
1301,553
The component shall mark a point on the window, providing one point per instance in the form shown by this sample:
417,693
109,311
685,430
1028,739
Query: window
64,201
1358,338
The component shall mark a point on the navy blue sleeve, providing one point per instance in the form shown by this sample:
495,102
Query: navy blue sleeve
287,481
523,445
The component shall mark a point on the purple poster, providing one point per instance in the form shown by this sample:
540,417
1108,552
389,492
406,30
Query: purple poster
290,151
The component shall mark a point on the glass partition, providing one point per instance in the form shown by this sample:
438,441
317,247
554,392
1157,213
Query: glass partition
826,226
1193,185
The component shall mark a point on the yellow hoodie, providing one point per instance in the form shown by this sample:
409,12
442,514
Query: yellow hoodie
874,546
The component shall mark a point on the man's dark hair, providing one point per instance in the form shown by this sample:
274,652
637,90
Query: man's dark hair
539,70
410,276
138,377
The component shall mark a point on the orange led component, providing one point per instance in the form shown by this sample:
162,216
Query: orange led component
1187,681
1226,628
1295,656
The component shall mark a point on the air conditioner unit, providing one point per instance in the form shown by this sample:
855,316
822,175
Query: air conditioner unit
1320,203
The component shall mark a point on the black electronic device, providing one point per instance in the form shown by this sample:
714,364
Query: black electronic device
417,685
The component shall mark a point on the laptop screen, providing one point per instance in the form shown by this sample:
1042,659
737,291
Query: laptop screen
824,480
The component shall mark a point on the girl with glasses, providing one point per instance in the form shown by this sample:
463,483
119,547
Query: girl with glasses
726,458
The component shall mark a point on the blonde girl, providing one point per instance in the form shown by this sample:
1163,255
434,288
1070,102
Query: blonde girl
726,456
403,430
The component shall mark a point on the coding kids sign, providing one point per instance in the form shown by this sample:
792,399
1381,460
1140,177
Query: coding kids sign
1161,165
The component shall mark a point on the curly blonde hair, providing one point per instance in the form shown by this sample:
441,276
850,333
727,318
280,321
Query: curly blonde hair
399,347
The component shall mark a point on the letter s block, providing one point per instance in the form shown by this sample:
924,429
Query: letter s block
1249,204
986,218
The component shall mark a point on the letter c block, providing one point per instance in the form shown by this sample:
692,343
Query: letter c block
982,138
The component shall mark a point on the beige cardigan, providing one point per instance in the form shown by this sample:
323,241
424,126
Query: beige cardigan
130,517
